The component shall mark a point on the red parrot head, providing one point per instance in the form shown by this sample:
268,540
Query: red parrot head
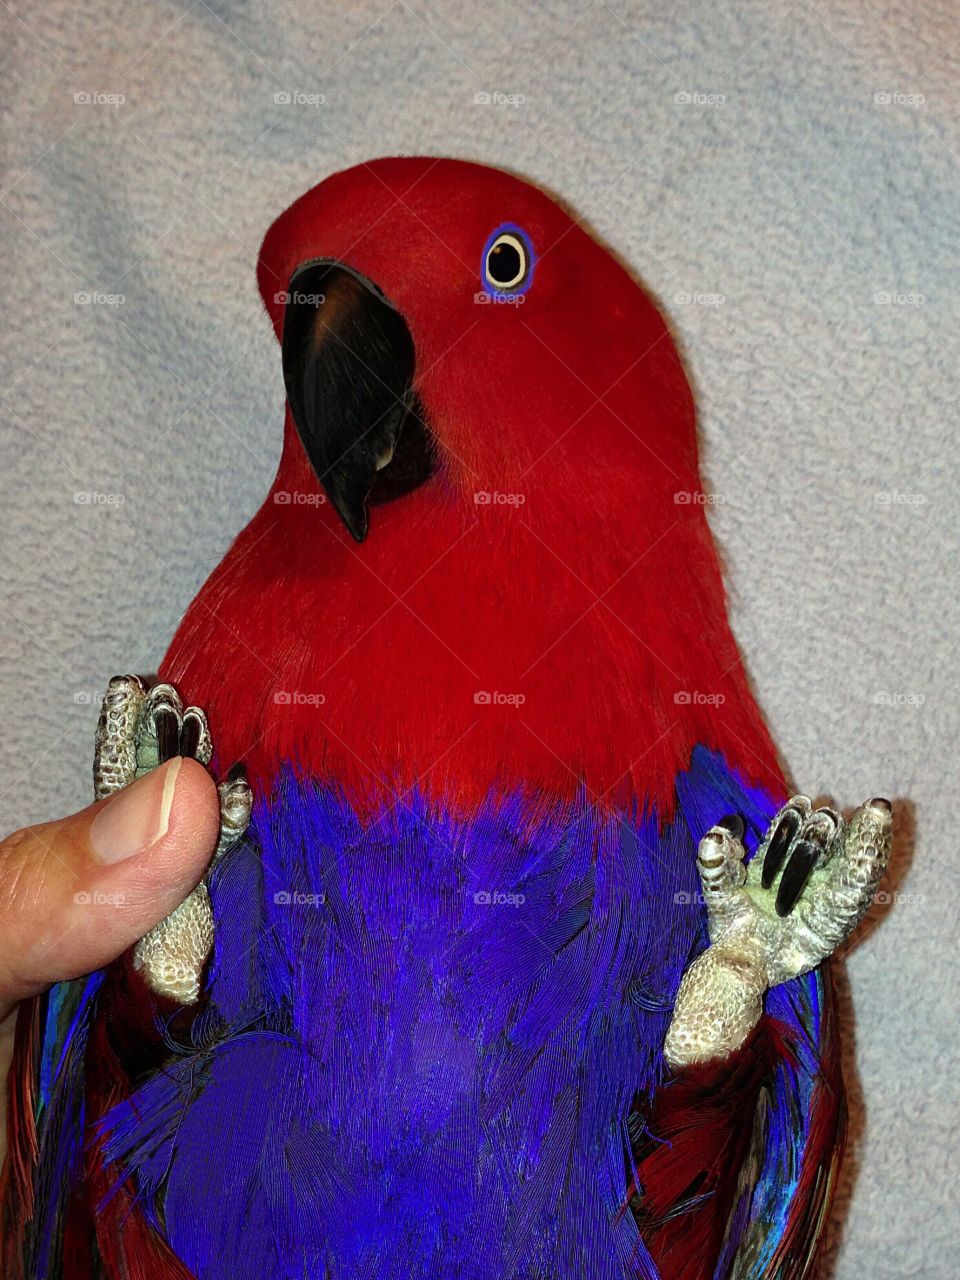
438,316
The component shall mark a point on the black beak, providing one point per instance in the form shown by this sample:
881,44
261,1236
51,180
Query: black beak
348,364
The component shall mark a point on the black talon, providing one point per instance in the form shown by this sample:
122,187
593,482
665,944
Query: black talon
804,858
166,724
734,824
190,736
238,773
780,842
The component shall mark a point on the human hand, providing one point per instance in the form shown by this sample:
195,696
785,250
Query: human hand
77,892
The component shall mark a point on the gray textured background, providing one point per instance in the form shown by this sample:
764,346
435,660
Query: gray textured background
804,202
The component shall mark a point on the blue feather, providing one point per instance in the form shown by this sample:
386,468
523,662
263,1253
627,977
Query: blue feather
425,1035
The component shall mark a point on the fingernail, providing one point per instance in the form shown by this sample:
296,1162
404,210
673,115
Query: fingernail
136,817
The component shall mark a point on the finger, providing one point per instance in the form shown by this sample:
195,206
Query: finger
74,894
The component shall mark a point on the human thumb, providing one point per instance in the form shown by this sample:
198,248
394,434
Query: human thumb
75,893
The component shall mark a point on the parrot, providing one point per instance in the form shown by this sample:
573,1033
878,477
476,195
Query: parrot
513,958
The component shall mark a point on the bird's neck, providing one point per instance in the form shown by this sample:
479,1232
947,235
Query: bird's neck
514,641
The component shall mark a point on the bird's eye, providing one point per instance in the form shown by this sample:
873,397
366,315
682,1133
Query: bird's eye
507,261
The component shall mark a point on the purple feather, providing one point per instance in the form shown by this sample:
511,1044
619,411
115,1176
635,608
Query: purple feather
425,1037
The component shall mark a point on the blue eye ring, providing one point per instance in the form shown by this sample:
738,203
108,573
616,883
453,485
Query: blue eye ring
515,271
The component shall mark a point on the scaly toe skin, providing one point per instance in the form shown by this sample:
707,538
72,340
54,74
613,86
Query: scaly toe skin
720,860
236,805
172,956
710,855
195,740
866,848
722,872
115,749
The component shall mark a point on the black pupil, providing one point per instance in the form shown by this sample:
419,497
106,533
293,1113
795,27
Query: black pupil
504,263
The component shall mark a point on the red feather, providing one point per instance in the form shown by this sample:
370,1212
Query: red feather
16,1176
699,1132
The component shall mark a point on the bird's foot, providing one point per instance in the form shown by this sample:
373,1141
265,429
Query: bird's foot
801,896
140,729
